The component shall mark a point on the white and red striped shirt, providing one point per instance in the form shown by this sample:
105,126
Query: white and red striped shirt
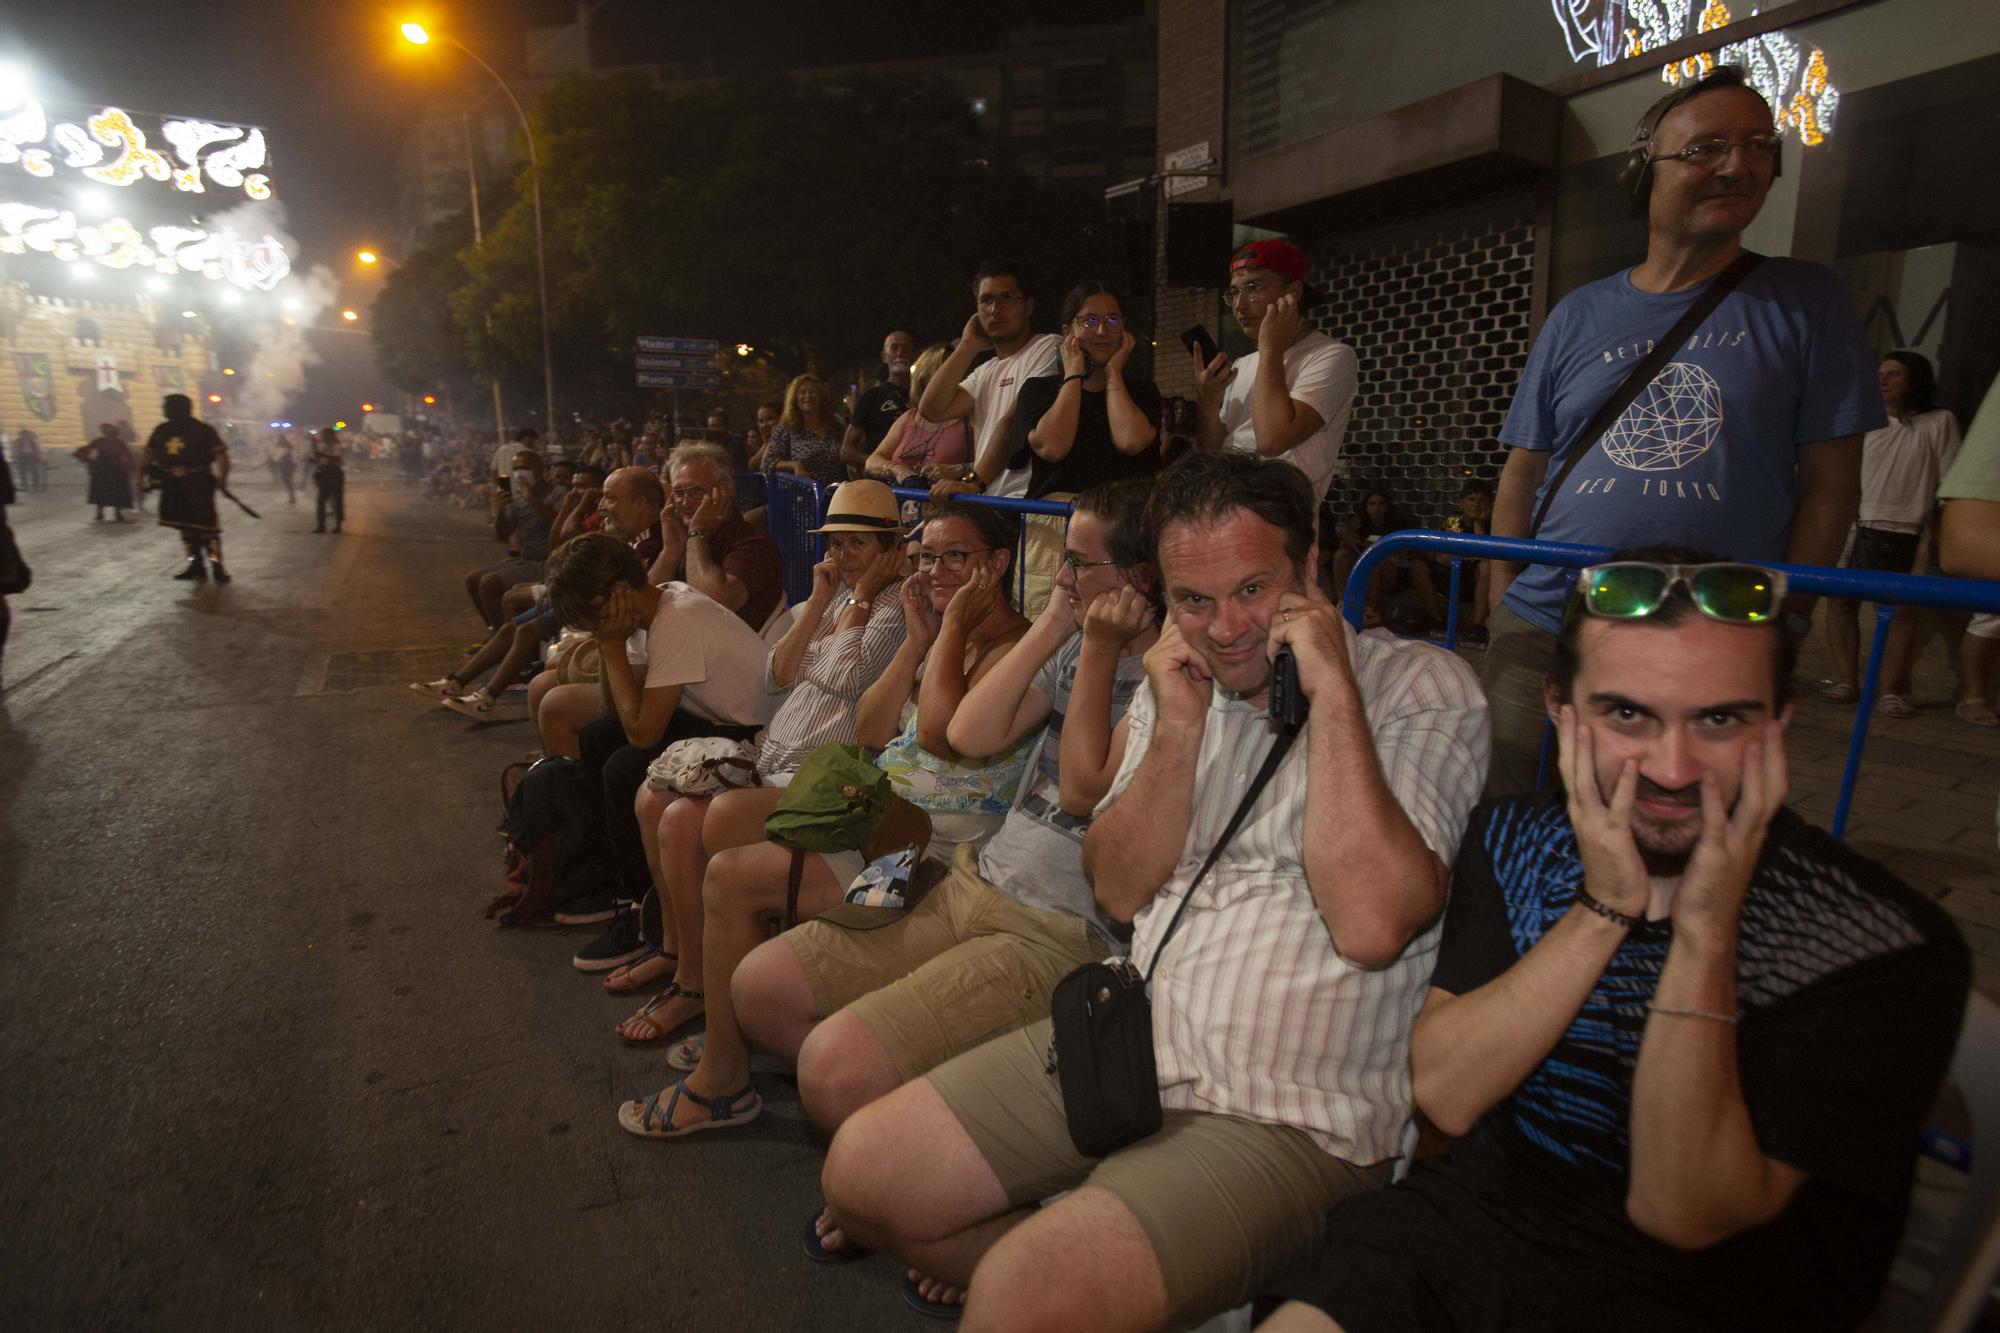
1254,1013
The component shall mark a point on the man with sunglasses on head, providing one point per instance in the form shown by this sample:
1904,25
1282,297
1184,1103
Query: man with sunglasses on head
1747,440
1002,325
1291,397
1687,1039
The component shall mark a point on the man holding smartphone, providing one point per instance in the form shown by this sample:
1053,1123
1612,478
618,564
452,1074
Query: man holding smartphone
1291,397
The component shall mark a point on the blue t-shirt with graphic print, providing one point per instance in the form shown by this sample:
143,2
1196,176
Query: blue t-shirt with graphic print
1851,986
1706,456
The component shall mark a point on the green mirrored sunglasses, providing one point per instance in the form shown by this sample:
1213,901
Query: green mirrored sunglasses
1733,593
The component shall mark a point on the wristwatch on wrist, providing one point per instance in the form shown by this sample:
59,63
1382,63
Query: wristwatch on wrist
971,478
852,600
697,532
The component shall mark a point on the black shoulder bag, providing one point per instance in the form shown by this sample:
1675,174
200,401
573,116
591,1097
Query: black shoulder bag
1101,1038
1642,374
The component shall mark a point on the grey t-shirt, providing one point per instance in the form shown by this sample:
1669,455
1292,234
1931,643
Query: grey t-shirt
1037,856
531,533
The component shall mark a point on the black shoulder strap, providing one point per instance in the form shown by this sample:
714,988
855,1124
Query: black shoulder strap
1272,758
1643,374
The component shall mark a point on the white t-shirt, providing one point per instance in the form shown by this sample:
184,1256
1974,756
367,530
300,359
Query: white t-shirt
994,385
1901,465
1320,373
705,648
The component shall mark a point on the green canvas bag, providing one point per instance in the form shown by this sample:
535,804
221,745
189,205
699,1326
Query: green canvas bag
833,802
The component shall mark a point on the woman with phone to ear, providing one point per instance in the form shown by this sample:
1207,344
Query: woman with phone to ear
1093,423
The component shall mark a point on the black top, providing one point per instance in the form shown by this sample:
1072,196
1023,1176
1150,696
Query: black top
1092,459
877,409
1852,987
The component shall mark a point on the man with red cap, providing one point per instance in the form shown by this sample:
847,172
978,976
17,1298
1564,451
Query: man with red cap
1290,398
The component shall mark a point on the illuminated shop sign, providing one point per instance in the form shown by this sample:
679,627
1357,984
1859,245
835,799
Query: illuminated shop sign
112,148
1793,79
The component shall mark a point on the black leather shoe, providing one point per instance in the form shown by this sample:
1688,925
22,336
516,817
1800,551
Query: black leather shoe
195,571
221,574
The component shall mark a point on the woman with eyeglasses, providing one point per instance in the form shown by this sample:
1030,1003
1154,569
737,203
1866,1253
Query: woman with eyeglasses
959,625
1093,423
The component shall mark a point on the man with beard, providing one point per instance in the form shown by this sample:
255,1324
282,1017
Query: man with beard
188,463
1688,1038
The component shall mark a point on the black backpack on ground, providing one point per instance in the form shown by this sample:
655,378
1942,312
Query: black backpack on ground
554,831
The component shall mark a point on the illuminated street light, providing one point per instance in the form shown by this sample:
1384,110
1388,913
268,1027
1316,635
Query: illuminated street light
215,398
349,315
227,370
340,425
188,314
418,35
156,284
81,271
429,399
744,349
291,303
14,85
368,407
367,256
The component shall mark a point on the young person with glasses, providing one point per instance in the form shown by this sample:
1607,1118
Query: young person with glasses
1686,1038
1092,423
1748,440
1291,397
1001,323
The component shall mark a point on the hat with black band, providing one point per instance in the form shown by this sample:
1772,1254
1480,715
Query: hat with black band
861,506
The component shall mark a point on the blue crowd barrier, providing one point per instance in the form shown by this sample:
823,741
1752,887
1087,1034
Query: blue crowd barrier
1887,591
921,496
793,507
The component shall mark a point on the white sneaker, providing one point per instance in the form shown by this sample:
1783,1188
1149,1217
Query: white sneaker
442,688
477,705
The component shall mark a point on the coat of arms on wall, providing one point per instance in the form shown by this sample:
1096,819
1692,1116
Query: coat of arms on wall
38,384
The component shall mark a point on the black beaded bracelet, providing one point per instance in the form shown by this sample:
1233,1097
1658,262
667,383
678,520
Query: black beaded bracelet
1611,914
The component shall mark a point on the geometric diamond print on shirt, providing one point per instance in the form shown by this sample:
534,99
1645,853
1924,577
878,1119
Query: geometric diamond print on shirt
1674,421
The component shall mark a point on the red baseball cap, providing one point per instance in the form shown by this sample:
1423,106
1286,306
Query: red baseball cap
1282,258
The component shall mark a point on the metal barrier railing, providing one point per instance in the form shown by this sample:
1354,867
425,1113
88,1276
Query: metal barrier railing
1887,591
793,507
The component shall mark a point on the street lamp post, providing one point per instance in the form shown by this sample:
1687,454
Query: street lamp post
417,34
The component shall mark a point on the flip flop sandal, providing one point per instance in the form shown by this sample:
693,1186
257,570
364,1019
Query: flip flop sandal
1838,692
819,1254
1977,713
650,1120
928,1308
1895,705
685,1054
674,990
629,986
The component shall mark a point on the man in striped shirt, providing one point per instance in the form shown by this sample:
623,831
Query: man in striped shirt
1282,1008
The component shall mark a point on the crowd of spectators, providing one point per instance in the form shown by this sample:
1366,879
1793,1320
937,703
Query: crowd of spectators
1681,1041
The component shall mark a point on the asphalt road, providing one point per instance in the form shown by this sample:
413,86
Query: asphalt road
262,1062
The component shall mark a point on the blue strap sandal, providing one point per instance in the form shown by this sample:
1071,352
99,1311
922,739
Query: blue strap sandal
651,1120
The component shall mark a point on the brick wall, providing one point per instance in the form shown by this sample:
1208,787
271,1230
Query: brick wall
1437,306
1193,49
144,365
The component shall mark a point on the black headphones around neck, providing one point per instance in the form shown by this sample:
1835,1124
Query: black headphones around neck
1635,177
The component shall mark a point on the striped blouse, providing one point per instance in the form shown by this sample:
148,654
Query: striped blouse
1254,1013
836,668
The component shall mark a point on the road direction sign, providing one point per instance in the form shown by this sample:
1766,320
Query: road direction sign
677,379
676,362
685,346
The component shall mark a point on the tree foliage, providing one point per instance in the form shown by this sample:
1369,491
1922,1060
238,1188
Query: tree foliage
802,217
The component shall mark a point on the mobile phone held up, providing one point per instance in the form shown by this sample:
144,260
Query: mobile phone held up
1196,340
1288,702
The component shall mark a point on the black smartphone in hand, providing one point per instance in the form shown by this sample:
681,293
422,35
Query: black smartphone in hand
1288,703
1196,340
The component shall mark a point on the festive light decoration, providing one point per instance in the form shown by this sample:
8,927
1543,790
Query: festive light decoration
234,153
1796,82
220,256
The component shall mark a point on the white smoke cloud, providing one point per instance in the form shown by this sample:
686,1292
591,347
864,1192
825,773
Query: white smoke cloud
273,324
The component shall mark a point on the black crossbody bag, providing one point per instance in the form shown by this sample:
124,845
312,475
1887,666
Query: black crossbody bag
1643,374
1101,1034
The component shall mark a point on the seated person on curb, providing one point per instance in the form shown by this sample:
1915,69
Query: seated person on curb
525,522
1280,1012
1475,577
840,643
959,626
631,508
861,1007
705,544
1689,1039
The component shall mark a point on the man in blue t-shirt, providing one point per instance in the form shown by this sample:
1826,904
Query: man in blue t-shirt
1747,442
1684,1038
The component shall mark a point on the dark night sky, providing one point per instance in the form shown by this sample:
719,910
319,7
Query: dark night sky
334,86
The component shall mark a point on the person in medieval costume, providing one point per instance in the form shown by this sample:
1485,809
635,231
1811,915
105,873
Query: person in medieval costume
187,462
110,462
